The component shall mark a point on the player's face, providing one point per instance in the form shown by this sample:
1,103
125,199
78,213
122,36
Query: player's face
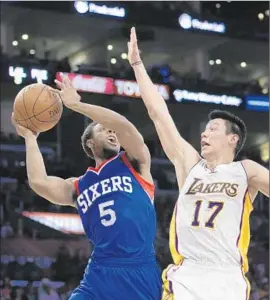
105,142
214,139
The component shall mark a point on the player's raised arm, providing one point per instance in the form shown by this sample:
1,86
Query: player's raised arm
129,137
258,177
54,189
175,147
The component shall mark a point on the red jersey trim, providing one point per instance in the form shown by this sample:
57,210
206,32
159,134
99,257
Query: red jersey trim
76,184
96,170
147,186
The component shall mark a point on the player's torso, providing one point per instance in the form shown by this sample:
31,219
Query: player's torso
117,213
212,216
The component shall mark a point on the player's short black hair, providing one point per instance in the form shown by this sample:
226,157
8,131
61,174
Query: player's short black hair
234,125
88,134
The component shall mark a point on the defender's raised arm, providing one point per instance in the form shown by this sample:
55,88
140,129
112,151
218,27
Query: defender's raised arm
176,148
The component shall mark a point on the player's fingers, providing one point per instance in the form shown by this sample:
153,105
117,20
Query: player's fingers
58,83
133,34
67,82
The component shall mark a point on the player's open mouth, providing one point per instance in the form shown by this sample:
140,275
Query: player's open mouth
112,140
204,144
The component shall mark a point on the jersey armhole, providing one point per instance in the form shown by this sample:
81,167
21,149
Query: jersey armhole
148,187
252,200
199,162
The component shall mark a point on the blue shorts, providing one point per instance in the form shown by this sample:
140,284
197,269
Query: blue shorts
118,281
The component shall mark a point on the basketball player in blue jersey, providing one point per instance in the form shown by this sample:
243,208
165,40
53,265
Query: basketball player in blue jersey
114,201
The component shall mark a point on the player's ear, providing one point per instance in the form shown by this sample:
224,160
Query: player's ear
234,138
90,143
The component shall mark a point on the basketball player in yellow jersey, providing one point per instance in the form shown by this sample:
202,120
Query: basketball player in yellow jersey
209,233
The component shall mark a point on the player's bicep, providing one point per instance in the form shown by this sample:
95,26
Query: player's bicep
56,190
258,176
179,151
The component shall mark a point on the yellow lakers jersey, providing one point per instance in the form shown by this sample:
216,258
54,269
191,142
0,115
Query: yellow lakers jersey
210,223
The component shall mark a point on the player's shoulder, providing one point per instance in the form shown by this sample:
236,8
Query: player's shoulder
250,167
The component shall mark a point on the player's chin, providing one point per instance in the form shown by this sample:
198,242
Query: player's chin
205,151
113,147
111,150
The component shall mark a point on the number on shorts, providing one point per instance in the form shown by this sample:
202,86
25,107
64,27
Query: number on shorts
217,206
104,211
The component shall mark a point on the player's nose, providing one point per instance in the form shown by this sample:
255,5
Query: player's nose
110,131
203,135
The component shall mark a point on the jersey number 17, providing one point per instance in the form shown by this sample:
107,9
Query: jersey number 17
216,208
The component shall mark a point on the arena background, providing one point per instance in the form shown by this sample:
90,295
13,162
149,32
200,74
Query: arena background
202,56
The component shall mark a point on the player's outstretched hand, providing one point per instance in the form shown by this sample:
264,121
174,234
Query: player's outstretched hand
68,93
22,131
133,50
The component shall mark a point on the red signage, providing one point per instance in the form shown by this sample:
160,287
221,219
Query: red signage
89,83
130,88
110,86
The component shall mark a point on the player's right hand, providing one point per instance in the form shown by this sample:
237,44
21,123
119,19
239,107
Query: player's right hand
22,131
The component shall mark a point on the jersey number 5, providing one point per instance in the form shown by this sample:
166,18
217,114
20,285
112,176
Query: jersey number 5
104,211
215,206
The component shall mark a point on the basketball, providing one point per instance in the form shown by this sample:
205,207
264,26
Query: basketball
38,107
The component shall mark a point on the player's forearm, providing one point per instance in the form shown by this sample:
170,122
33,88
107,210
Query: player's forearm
101,115
36,170
152,99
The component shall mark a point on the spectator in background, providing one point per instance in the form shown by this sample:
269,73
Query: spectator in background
31,293
19,294
6,290
7,230
46,291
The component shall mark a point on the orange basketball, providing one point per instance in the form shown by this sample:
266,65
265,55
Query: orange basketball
38,107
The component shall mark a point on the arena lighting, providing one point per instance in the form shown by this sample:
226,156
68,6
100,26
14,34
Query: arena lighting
243,64
188,96
15,43
18,73
211,62
218,61
187,22
261,16
25,36
218,5
110,47
113,61
124,56
32,51
83,7
267,12
257,103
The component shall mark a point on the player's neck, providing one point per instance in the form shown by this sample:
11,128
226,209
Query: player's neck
99,162
213,161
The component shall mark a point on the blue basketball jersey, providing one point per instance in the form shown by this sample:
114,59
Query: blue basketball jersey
116,208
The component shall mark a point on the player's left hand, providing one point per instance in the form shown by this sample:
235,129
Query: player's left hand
68,93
